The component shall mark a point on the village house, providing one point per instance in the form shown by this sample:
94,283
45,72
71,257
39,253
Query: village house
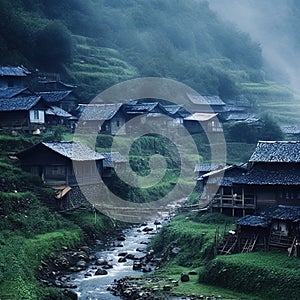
203,123
23,113
274,174
13,76
204,104
102,118
271,178
67,167
62,163
65,100
220,194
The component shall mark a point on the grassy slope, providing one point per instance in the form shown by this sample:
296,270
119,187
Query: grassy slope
259,275
277,100
29,231
97,68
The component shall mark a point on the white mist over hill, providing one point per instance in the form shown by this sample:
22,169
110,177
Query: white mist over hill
272,23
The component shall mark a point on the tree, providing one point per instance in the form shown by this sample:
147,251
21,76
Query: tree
53,46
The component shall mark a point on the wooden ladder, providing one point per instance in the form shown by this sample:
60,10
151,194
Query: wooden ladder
250,244
229,245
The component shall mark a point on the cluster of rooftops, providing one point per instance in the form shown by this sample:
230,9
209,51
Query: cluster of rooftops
21,91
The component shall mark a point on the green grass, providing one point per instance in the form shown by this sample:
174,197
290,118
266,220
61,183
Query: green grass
266,274
193,287
97,68
20,258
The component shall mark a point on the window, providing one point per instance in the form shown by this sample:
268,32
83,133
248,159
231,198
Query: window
118,123
55,171
36,114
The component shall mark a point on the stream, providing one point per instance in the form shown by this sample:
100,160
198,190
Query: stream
91,286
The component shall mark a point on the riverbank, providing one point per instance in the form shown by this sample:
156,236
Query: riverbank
187,243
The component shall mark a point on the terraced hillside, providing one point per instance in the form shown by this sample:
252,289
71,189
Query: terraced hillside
96,68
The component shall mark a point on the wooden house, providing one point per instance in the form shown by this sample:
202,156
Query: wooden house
274,174
285,226
204,104
57,116
222,195
143,116
203,122
22,113
65,99
102,118
13,76
63,163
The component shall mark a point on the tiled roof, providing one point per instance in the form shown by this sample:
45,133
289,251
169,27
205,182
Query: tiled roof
57,111
95,112
260,175
13,71
291,129
111,158
253,221
239,100
56,96
200,117
291,213
238,116
144,107
225,176
74,150
276,152
205,100
207,167
10,92
19,103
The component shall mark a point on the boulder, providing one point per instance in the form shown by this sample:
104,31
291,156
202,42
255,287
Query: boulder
184,277
101,271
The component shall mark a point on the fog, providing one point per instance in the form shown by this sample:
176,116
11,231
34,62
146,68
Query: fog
272,23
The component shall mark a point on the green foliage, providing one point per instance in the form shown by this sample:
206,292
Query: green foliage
53,46
267,130
195,240
273,275
135,38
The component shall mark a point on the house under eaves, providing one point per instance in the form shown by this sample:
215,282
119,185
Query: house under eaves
102,118
22,113
274,175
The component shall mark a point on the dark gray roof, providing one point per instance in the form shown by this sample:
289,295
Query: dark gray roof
260,175
95,112
238,116
10,92
57,111
74,150
205,100
207,167
111,158
225,176
13,71
144,107
291,129
55,96
267,151
253,221
19,103
239,100
291,213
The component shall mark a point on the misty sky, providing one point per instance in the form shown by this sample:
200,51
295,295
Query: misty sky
267,23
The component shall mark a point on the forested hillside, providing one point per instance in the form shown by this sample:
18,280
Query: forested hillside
96,43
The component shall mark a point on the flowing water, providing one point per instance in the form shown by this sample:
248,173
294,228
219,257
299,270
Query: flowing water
95,286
